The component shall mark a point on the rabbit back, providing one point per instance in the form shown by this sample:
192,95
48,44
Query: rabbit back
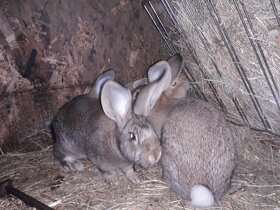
71,127
83,131
197,148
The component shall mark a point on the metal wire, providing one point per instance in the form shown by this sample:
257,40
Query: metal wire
240,7
240,111
275,11
165,35
148,6
255,44
193,54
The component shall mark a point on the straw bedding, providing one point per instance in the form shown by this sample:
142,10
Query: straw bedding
255,185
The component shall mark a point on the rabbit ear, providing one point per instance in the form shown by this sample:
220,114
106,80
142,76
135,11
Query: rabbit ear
95,91
137,83
116,102
160,78
159,70
176,64
178,87
140,82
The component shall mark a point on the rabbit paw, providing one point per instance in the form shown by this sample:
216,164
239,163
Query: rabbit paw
110,178
75,165
132,176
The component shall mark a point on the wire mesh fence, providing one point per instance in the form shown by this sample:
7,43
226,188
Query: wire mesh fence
232,59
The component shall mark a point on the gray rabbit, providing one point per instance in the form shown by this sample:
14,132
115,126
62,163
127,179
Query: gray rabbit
198,149
112,134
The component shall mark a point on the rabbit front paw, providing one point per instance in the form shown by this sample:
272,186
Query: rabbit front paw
111,178
75,165
132,176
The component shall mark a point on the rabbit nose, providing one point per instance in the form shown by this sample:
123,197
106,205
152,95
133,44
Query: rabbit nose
155,156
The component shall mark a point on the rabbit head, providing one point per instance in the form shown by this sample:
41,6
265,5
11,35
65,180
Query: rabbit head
95,91
135,134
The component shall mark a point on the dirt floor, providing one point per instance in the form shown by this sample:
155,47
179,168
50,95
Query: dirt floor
255,185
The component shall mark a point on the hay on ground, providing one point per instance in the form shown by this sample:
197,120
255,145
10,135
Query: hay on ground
255,185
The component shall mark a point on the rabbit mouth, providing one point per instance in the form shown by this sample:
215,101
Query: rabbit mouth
144,165
148,162
149,159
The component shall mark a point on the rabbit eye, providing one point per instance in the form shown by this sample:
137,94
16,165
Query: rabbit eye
132,136
174,83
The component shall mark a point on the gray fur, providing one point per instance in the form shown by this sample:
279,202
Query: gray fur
197,143
82,130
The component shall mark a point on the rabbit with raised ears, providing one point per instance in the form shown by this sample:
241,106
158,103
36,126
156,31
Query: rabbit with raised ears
198,149
112,134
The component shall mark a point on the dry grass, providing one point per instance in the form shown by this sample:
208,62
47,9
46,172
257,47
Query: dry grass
196,21
256,182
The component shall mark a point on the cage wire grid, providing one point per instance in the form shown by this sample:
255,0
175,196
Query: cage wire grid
155,9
